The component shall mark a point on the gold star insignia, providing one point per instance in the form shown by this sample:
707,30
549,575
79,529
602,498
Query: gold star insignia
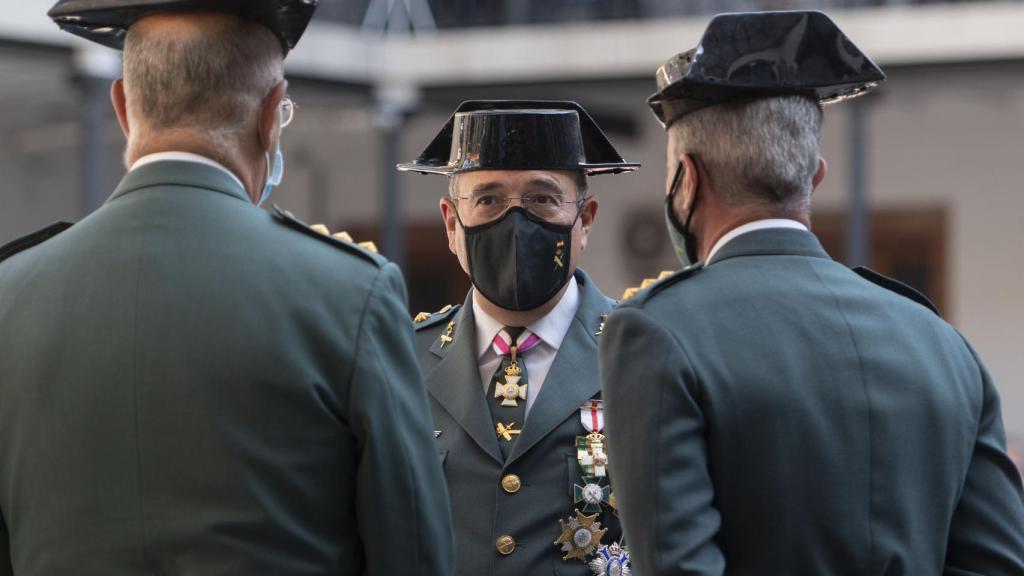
581,536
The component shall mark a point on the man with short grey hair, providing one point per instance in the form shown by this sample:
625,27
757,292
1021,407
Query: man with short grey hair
770,411
189,385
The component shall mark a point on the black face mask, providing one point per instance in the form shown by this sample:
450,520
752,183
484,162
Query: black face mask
519,261
684,241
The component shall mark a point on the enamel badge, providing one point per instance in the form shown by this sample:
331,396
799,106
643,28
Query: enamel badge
611,561
591,494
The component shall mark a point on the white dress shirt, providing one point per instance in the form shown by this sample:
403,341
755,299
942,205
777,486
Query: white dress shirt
551,329
751,227
185,157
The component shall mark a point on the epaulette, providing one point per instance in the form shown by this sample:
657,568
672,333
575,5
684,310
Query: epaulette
896,286
33,239
664,279
632,291
427,319
366,250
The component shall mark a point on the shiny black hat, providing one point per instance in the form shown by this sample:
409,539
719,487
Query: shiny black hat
106,21
756,54
519,135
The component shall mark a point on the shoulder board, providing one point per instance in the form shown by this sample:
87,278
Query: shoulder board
425,320
896,286
342,240
651,286
634,290
663,281
33,239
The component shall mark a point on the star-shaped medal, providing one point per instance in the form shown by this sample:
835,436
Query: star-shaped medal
611,561
592,494
581,536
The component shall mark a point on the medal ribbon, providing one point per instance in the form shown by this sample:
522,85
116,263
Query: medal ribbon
592,416
502,347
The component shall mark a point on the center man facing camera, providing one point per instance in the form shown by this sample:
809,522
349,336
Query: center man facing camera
512,373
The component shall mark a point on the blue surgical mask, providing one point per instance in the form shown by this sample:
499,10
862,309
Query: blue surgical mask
274,174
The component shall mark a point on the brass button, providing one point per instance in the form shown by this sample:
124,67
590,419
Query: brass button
505,545
511,483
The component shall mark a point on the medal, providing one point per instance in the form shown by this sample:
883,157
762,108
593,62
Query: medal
581,536
611,561
590,454
590,448
511,390
592,494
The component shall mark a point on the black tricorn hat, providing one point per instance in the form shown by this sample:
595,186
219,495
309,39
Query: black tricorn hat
106,21
519,135
757,54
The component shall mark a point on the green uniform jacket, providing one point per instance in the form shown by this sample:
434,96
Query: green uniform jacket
776,413
544,457
189,385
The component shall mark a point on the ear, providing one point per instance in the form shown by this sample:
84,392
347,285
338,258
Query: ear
820,174
450,221
269,121
120,102
691,180
587,217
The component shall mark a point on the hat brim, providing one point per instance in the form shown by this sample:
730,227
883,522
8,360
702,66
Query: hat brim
588,169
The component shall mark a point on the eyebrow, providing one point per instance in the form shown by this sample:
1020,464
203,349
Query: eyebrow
545,183
487,187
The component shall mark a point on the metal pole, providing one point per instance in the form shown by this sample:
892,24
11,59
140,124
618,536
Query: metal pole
92,150
394,103
94,67
392,224
858,226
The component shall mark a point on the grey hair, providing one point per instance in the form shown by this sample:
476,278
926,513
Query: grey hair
212,79
579,177
763,151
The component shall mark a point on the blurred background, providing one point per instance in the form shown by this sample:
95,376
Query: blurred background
921,186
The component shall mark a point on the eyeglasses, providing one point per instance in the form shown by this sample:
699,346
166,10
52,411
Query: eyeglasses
486,206
287,111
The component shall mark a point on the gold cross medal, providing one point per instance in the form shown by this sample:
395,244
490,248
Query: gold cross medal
511,391
581,536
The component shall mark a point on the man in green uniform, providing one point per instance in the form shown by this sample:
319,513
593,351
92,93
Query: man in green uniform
189,385
771,411
512,373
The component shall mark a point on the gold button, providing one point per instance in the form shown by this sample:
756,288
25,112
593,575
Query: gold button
505,545
511,483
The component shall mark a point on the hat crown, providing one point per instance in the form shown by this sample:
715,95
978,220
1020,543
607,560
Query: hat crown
107,21
517,140
763,54
519,135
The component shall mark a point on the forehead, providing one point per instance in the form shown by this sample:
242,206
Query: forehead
513,180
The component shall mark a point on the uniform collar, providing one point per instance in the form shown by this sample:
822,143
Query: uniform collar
551,328
764,224
771,242
185,157
177,170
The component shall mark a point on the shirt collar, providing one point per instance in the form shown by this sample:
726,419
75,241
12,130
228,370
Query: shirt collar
185,157
551,328
751,227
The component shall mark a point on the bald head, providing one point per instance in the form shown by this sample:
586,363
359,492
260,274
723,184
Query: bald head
200,71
